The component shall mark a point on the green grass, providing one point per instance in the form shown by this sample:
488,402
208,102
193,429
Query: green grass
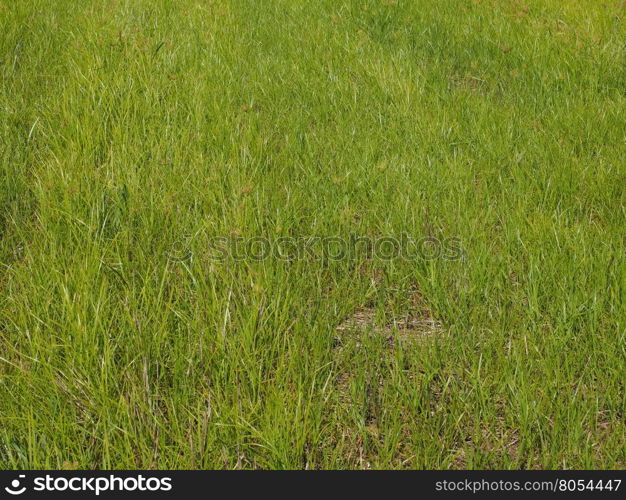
133,132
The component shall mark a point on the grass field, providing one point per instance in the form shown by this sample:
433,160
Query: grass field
134,135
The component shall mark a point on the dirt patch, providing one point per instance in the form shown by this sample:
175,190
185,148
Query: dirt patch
404,322
416,326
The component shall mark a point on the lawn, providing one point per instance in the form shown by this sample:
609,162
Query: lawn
142,142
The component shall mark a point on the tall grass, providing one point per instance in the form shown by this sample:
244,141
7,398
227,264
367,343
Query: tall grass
133,132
